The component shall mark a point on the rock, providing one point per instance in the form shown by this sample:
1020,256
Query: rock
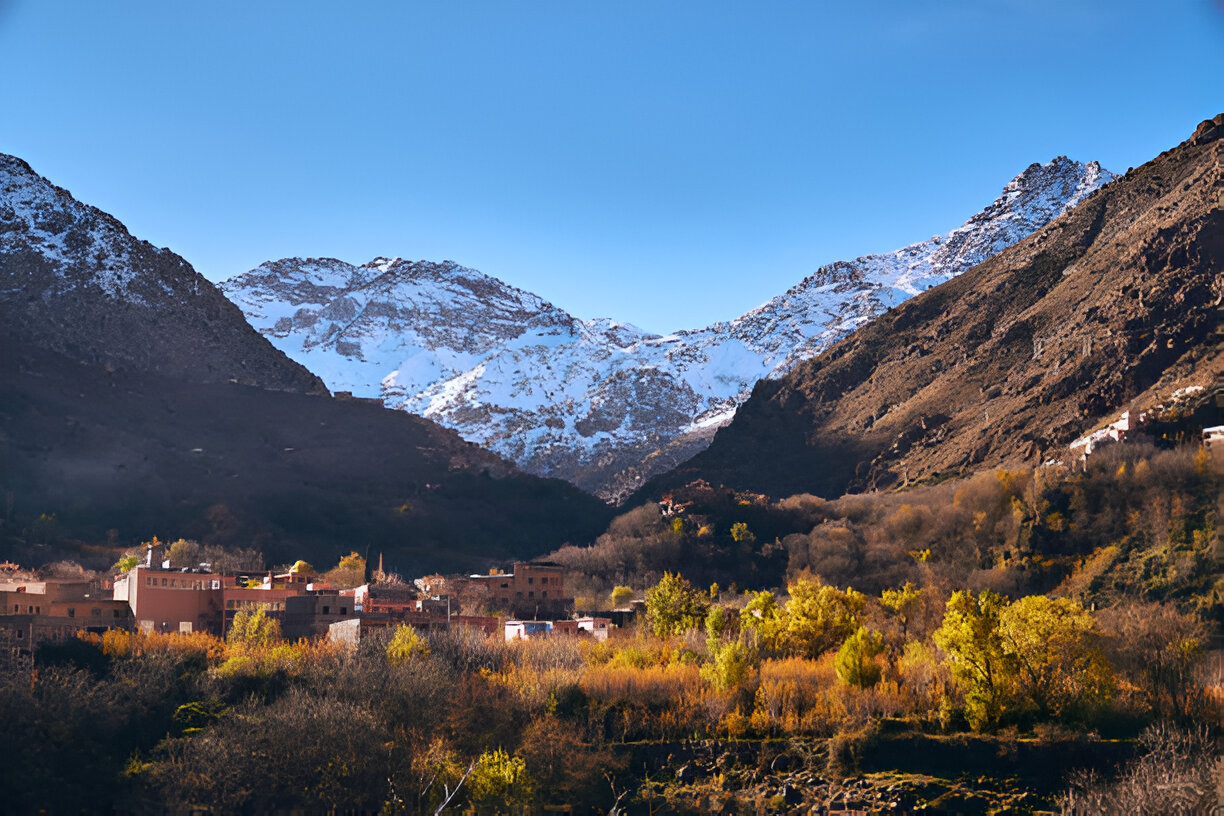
1209,130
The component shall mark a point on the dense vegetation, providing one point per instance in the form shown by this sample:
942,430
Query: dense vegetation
1138,523
410,721
1035,615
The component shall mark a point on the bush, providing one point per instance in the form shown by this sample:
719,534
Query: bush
500,783
855,663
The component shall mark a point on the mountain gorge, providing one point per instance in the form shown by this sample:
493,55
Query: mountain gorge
598,403
1115,305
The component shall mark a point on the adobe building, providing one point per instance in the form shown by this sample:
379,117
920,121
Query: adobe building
311,615
172,600
531,591
32,611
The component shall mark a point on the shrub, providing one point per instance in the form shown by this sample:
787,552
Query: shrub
855,663
500,783
406,644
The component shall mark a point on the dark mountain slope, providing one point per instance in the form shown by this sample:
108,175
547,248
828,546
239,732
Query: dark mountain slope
127,402
297,476
75,281
1113,305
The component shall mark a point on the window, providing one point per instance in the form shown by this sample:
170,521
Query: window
97,613
344,610
114,613
544,594
163,582
326,610
530,594
71,612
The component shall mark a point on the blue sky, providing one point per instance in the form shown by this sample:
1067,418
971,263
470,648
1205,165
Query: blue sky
666,163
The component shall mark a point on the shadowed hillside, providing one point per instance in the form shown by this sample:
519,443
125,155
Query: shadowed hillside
298,476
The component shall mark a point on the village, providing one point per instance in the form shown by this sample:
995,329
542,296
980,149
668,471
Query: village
529,601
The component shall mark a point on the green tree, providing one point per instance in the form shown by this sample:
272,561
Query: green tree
673,606
819,617
902,603
304,568
126,563
1054,645
970,636
731,667
622,595
253,631
500,783
855,663
763,619
716,623
405,645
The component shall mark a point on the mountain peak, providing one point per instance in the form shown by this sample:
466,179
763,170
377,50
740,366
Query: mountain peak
599,402
1109,308
73,280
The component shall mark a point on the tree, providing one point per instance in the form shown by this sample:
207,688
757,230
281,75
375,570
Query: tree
1158,648
349,573
762,617
126,563
903,603
566,769
716,623
741,534
819,617
405,645
304,568
731,667
969,635
500,783
621,595
673,606
184,553
253,631
855,663
1054,646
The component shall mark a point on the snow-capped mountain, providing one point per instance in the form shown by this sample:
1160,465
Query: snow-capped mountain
598,402
73,280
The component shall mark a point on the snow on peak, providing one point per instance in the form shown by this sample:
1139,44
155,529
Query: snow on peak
85,246
599,402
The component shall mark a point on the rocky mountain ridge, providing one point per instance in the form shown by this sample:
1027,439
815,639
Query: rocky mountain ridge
136,400
1115,305
597,402
73,280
